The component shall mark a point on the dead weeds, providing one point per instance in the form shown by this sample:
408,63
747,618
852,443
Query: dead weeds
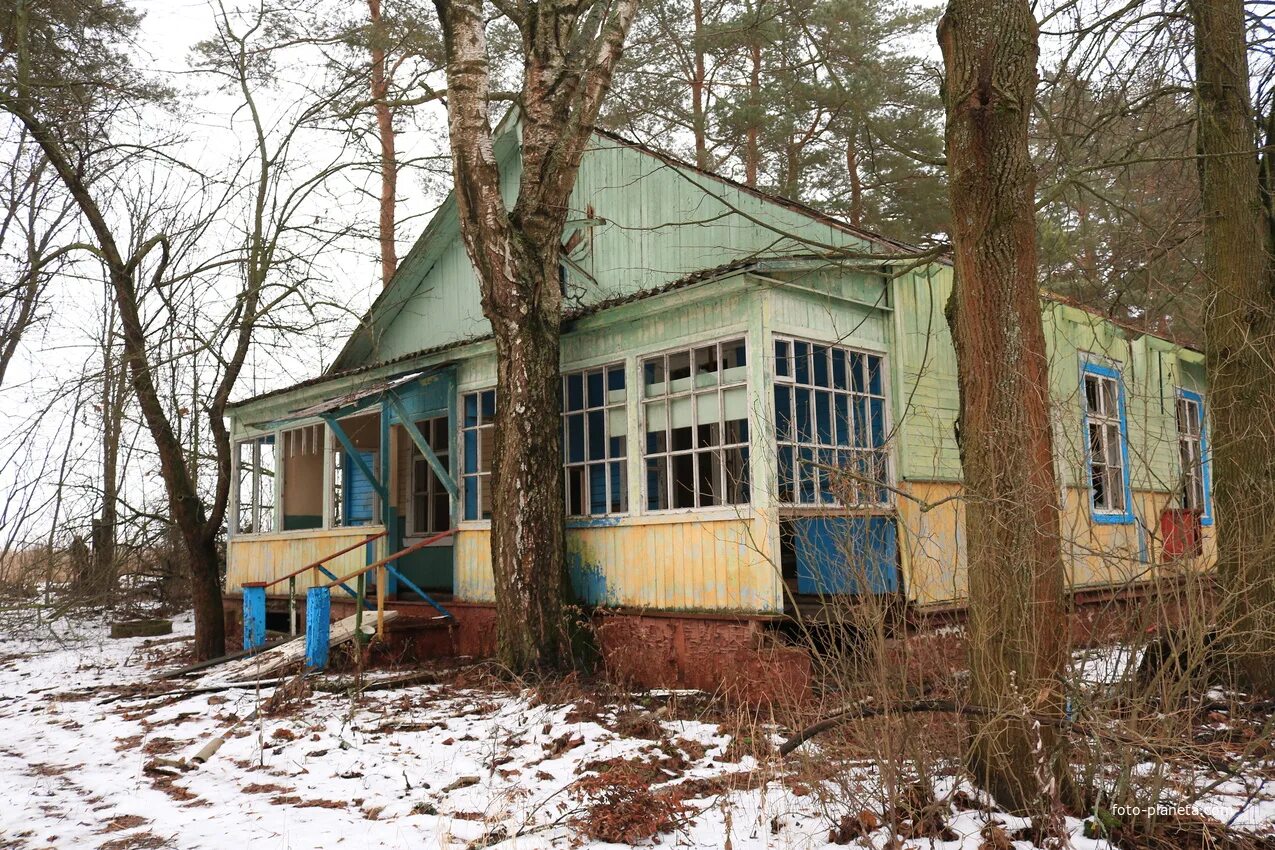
622,807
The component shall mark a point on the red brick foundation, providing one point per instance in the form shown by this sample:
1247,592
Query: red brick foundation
731,655
727,654
736,655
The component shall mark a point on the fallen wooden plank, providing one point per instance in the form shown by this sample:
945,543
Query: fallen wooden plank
222,659
271,661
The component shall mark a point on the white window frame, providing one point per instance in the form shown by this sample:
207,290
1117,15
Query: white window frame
1106,420
607,461
872,454
433,486
480,478
254,488
693,393
1196,473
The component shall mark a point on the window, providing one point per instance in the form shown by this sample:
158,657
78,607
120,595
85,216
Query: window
255,462
594,440
338,484
695,406
830,415
1192,448
431,504
1105,448
478,433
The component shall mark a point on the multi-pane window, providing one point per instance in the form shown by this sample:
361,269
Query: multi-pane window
830,425
695,408
594,440
431,503
1105,441
478,435
1191,451
255,465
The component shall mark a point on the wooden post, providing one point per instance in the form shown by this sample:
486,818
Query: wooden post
380,602
254,616
292,606
318,606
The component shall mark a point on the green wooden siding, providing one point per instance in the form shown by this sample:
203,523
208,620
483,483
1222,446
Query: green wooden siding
644,223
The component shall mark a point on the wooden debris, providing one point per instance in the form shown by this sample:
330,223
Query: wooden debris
272,661
141,628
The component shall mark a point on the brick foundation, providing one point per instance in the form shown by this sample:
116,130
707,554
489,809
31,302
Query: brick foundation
736,655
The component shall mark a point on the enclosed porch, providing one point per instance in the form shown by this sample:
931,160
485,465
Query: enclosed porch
362,479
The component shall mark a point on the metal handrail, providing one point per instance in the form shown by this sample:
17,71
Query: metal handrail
382,565
420,544
318,563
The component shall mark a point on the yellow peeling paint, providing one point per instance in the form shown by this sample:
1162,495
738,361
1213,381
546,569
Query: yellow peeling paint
670,565
265,557
1095,554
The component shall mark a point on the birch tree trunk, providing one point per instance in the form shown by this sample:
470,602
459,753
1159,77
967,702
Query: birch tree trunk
569,51
1017,629
1239,326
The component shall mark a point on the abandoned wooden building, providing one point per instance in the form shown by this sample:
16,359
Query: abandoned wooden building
758,404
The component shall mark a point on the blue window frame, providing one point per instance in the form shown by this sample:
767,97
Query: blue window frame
1106,435
595,441
478,429
830,413
1193,454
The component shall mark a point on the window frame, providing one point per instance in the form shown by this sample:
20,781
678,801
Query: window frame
1105,515
434,487
886,450
607,461
644,401
1206,478
478,478
254,486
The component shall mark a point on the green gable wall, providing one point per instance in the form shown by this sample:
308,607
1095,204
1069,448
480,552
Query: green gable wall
644,222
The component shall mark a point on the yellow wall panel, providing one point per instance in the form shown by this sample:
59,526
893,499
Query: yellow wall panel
265,557
673,565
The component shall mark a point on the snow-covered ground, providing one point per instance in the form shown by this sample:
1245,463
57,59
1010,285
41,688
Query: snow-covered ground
429,766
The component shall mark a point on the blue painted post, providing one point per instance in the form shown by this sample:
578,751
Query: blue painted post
254,617
318,620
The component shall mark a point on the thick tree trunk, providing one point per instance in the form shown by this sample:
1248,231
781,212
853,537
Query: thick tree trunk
204,565
527,546
515,255
389,156
1239,324
1017,628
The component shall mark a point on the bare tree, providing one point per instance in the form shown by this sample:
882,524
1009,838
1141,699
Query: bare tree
570,51
1017,649
33,217
148,259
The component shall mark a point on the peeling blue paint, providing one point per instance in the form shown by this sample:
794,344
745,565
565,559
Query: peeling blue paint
318,621
254,618
594,522
588,581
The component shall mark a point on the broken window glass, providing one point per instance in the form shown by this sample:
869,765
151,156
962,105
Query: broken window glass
697,426
831,400
1105,442
595,431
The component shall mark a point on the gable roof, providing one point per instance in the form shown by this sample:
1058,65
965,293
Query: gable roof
443,229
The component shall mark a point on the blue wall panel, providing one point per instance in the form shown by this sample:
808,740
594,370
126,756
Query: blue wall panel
846,555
